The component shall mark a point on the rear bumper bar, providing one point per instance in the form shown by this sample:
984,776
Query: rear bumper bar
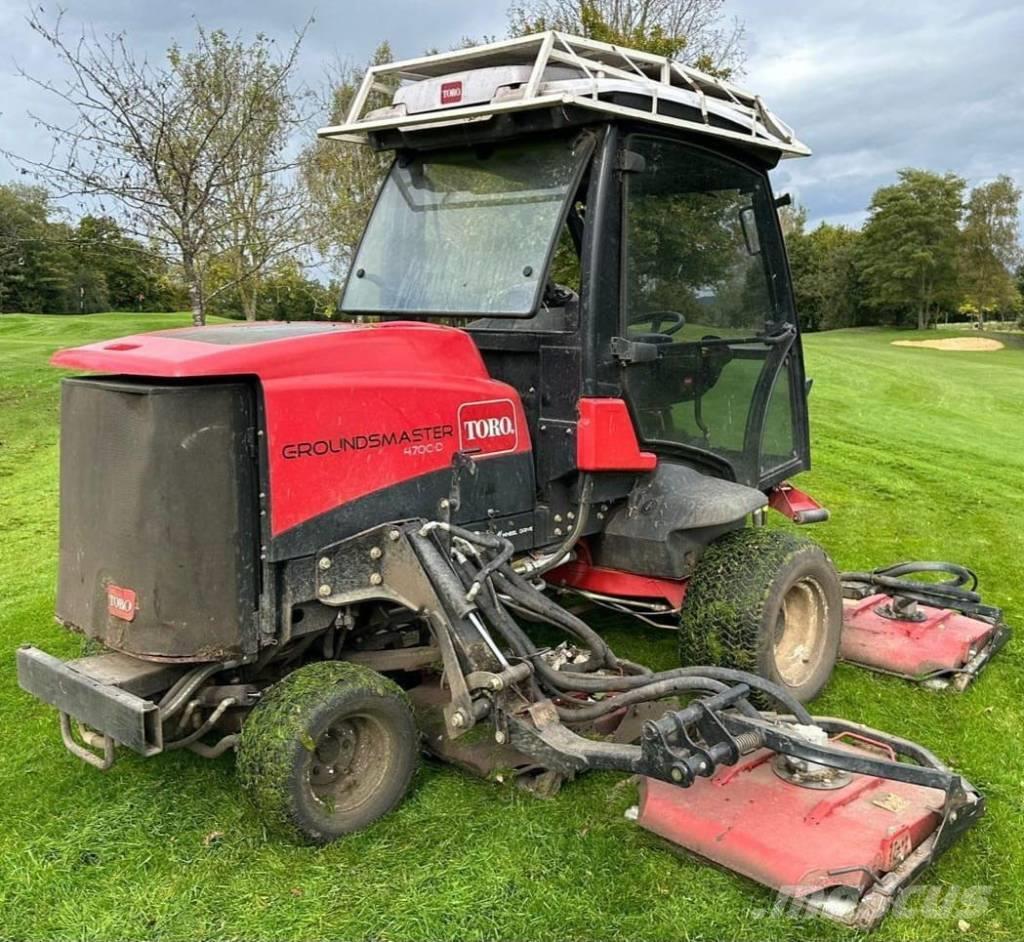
115,714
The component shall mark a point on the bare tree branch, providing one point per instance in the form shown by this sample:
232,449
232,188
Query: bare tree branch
193,153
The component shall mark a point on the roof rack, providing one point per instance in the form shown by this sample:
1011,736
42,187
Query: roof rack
554,69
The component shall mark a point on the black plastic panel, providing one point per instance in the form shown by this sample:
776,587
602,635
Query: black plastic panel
158,497
502,486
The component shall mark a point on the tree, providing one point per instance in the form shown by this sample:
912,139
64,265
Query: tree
824,271
264,211
130,273
908,251
342,178
35,264
287,293
163,146
50,266
989,248
23,220
691,31
792,220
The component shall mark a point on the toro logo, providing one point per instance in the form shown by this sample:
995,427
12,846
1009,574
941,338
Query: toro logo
121,603
488,428
451,93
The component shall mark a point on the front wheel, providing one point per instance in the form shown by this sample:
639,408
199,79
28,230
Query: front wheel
330,748
768,602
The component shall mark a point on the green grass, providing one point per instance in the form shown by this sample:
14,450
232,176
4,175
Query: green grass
918,453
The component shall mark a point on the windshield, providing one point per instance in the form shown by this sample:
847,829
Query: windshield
467,231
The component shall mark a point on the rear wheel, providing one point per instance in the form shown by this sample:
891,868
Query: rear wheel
765,601
330,748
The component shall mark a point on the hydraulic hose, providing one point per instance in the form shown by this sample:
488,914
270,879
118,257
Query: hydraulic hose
582,515
888,577
655,691
494,577
642,686
529,598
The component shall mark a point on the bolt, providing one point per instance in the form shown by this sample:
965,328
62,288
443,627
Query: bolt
496,683
569,430
500,737
445,504
325,590
600,516
571,515
677,774
376,552
458,719
558,531
558,518
376,578
325,562
394,535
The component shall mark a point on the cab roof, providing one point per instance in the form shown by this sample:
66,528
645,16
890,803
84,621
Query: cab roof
556,70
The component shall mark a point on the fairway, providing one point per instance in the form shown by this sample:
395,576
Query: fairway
918,453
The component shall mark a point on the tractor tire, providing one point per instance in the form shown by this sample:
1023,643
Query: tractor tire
768,602
328,750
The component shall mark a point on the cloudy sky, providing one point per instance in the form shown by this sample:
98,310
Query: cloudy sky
872,86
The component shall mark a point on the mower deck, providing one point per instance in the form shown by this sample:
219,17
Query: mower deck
935,633
940,647
844,849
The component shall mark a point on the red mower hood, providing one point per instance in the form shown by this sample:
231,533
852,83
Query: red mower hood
349,410
273,350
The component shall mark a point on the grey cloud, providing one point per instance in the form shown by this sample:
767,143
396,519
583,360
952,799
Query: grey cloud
871,86
880,86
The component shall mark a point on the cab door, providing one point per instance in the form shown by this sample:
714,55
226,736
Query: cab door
709,350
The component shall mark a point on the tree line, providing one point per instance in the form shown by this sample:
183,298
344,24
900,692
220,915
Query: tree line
928,251
50,265
197,185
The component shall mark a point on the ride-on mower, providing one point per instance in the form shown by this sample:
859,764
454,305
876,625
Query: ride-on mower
329,545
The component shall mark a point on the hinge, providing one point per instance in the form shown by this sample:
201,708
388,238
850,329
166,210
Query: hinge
629,161
250,443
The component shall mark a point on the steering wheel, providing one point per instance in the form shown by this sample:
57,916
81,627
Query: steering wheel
674,322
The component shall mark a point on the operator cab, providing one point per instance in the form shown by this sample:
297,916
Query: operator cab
612,252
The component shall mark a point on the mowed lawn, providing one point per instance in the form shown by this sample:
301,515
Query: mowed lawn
918,453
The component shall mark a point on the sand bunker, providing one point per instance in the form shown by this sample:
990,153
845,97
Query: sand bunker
953,343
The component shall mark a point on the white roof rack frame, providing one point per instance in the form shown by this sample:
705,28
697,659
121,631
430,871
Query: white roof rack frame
553,69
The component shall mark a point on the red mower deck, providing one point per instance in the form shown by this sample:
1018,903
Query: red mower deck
824,847
937,643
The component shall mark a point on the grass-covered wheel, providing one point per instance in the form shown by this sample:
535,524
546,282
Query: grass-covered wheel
329,749
765,601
